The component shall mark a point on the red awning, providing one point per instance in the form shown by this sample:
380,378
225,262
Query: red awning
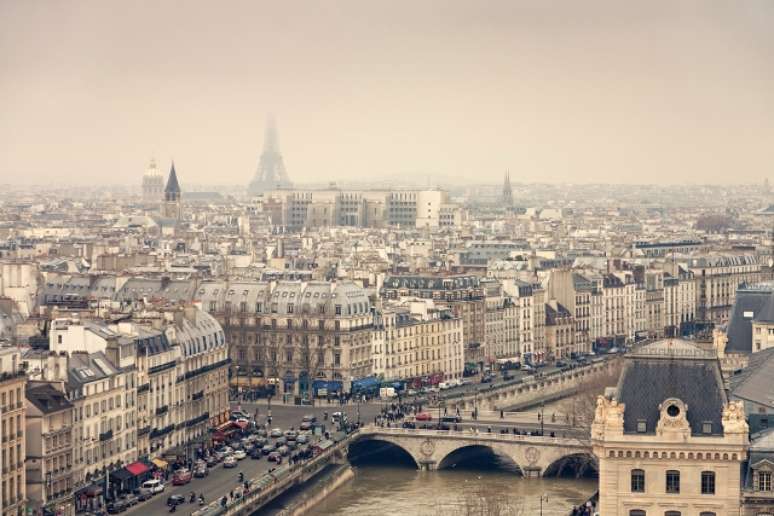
137,468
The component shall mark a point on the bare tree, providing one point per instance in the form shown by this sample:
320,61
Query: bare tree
482,501
578,410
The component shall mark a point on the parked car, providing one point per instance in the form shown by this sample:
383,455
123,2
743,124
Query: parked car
175,499
275,457
283,450
560,363
181,477
302,439
281,441
116,506
230,462
256,453
276,432
201,472
144,495
211,460
152,486
131,500
240,454
451,419
268,449
424,416
486,379
290,434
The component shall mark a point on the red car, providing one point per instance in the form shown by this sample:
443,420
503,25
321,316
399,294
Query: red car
424,416
181,477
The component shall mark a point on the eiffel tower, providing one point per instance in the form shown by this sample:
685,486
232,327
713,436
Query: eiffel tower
271,172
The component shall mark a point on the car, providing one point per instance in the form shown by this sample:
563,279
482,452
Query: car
240,454
281,441
152,486
411,392
230,462
144,495
290,434
305,425
560,363
302,439
116,506
451,419
309,418
486,379
283,450
424,416
175,499
275,457
211,460
256,454
276,432
292,444
201,472
527,367
268,449
181,477
131,500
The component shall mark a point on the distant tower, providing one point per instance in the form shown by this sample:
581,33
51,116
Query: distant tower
507,192
152,183
271,172
171,207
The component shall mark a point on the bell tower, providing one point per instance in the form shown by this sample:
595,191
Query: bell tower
171,207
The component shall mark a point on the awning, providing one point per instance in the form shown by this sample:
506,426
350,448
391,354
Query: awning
369,382
121,475
137,468
161,464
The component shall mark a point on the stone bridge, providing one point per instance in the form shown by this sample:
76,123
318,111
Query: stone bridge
520,394
534,455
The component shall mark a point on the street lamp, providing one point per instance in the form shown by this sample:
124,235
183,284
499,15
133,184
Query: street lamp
541,417
543,497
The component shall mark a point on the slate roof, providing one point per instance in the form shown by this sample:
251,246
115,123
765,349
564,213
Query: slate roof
672,369
756,381
172,185
47,399
752,304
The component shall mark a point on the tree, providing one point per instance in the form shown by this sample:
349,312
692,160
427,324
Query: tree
482,501
578,410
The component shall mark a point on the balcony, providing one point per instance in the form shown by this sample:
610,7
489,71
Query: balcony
162,410
143,388
106,436
144,430
197,395
159,432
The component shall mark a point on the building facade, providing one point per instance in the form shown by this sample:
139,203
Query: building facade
13,381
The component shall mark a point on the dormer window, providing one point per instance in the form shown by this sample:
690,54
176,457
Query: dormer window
642,426
706,427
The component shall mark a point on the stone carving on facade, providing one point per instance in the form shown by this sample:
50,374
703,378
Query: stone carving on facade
608,416
427,447
734,421
532,455
673,418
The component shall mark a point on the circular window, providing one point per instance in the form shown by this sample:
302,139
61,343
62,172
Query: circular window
673,410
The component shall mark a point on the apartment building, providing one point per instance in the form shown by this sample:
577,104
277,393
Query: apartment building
300,333
416,338
464,294
13,380
717,278
49,448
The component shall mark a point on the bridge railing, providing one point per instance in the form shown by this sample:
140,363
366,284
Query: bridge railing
532,380
473,434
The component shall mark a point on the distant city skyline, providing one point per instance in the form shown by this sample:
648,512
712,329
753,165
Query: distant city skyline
593,92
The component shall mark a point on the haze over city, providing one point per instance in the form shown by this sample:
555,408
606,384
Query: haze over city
452,91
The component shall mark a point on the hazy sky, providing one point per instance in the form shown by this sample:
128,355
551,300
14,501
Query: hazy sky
581,91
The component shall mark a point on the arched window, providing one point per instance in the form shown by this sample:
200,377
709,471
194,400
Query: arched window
672,482
707,514
708,482
672,513
638,481
637,512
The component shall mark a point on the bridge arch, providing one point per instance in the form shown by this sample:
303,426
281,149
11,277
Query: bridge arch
577,465
479,454
371,447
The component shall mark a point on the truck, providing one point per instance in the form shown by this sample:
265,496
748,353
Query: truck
387,392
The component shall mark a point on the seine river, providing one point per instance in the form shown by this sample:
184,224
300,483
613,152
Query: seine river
383,487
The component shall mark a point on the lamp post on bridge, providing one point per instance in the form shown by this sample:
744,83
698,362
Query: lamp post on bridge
543,497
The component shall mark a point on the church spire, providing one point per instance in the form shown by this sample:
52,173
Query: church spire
172,190
507,191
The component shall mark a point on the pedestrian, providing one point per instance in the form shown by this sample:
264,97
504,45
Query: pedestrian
502,414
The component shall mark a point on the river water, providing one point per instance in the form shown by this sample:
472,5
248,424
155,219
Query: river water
476,485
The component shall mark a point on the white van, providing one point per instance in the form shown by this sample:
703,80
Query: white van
443,386
152,486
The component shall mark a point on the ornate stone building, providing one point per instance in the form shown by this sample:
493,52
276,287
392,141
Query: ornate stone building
296,334
668,440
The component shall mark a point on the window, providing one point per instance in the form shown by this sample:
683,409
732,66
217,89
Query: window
706,427
764,481
705,513
672,513
673,481
638,481
637,512
642,426
707,482
338,309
